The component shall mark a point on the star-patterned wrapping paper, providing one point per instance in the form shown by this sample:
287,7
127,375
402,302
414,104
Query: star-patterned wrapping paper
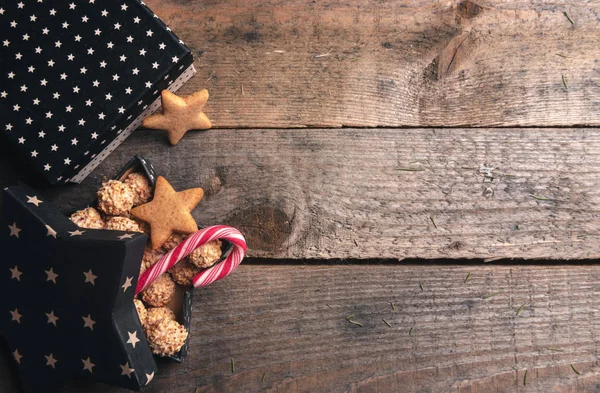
66,298
78,76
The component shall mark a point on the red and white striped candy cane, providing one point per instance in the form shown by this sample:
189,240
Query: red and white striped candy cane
195,240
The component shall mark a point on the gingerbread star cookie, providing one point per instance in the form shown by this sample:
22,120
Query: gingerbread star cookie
180,114
169,211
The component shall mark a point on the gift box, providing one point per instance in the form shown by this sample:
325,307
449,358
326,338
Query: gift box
78,77
68,295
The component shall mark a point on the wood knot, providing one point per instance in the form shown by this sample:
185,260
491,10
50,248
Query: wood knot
468,10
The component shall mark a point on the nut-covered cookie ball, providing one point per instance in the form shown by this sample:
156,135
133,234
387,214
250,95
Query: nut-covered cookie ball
206,255
151,256
88,218
122,224
155,315
160,292
166,337
141,188
115,198
183,273
173,241
141,310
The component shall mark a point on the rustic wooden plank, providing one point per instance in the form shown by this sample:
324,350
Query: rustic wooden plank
289,324
352,194
392,63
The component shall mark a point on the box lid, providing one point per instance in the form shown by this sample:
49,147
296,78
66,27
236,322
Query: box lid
78,77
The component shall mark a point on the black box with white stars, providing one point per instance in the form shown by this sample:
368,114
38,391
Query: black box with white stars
78,76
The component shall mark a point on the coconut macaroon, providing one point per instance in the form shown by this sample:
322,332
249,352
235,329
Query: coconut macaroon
206,255
156,314
122,224
115,198
141,188
160,292
183,273
88,218
166,337
173,241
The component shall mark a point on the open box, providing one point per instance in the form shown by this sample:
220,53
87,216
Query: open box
181,303
67,294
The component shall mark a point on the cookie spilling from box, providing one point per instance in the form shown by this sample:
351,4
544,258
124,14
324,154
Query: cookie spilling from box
88,297
78,77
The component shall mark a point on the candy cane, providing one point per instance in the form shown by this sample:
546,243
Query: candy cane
195,240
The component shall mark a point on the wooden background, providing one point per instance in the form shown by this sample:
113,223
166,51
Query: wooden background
378,152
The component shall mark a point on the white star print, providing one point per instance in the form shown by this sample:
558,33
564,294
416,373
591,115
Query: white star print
84,19
36,101
15,274
26,37
71,57
11,75
65,25
136,20
24,88
96,83
42,134
77,38
155,65
149,33
52,319
16,317
45,31
18,56
115,77
56,95
21,140
124,7
28,121
126,286
47,167
123,57
9,126
90,51
30,69
117,26
128,90
58,44
16,108
162,46
90,277
108,96
48,115
61,128
175,59
88,322
20,5
33,18
50,361
88,102
33,200
102,64
6,42
135,71
34,153
130,39
133,338
94,135
126,370
38,50
14,230
74,142
76,233
142,52
83,70
69,108
51,232
88,365
17,356
121,109
81,122
13,24
104,13
110,45
149,377
51,275
67,161
97,32
72,6
4,94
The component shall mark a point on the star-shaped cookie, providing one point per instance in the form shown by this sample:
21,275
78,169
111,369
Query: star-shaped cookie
180,114
169,211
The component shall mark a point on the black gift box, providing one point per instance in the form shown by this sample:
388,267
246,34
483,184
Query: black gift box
67,294
79,76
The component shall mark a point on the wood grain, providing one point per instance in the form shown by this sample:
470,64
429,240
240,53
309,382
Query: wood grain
289,324
304,63
397,193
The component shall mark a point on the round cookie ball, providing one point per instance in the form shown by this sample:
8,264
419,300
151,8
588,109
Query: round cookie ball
206,255
160,292
151,256
122,224
155,315
88,218
173,241
115,198
166,337
183,273
141,188
141,310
